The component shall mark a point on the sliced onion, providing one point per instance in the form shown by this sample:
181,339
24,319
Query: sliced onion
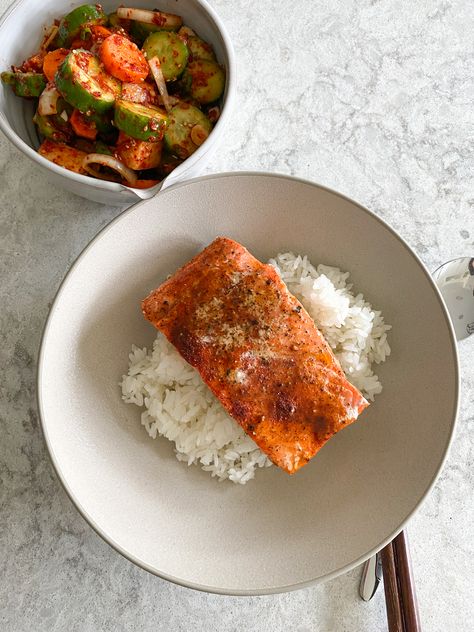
185,32
172,101
48,101
48,37
157,73
170,20
112,163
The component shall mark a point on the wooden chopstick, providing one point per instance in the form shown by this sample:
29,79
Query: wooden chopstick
399,586
406,583
390,585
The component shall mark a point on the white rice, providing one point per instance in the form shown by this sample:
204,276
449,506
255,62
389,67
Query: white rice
356,333
179,406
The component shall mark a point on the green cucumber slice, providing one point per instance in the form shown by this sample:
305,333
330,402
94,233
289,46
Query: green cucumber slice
47,127
205,80
72,23
140,121
61,119
170,50
199,49
85,85
113,20
140,30
102,148
103,122
182,118
25,84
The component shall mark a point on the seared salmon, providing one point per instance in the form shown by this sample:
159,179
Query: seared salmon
232,318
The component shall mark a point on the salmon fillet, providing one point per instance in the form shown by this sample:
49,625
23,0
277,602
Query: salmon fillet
232,318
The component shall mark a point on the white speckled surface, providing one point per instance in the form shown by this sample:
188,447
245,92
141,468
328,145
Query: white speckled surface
371,98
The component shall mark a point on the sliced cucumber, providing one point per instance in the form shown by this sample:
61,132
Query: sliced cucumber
170,50
47,127
102,148
140,31
103,122
84,84
114,21
25,84
144,21
199,49
72,24
205,80
61,119
178,136
140,121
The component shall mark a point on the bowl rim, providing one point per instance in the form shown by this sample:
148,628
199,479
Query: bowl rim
181,170
224,590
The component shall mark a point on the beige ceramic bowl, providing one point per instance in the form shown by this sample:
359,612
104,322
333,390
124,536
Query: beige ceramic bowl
278,532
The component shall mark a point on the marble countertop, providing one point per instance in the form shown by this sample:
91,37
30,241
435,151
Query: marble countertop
370,97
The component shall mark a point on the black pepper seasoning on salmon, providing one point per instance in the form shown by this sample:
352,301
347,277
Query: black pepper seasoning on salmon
258,350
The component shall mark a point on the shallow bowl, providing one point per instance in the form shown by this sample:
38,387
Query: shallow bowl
278,532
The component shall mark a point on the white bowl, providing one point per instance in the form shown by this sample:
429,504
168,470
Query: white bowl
277,532
20,36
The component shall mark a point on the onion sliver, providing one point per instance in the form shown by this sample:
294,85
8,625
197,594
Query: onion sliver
112,163
185,32
155,66
167,20
48,37
48,101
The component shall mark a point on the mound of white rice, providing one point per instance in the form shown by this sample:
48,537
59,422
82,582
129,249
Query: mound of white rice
179,406
356,333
